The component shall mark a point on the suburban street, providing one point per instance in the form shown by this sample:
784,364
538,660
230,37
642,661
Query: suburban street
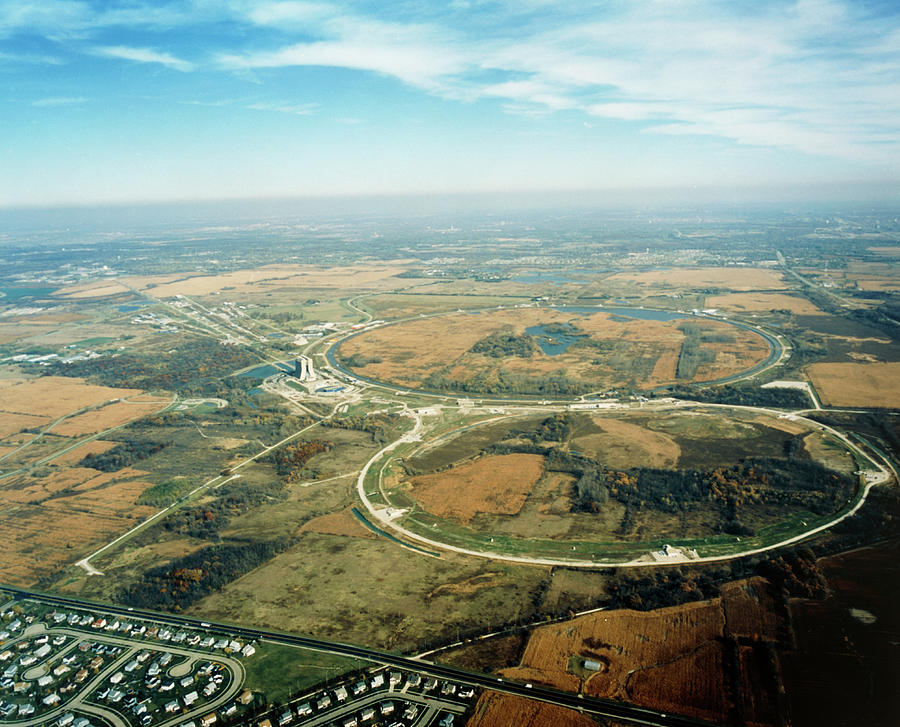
589,705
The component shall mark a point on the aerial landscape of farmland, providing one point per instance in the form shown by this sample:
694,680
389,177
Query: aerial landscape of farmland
449,364
584,466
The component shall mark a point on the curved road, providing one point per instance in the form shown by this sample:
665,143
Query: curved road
883,475
591,705
778,351
132,646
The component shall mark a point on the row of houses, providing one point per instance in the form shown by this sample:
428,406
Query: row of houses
394,710
151,631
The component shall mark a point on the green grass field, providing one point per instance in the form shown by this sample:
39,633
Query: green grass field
281,672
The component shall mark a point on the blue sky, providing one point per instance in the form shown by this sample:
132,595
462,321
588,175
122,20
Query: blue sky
130,102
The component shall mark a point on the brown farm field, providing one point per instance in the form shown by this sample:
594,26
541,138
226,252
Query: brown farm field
763,302
47,523
874,384
12,423
255,280
106,417
56,396
73,456
338,523
622,444
671,659
613,351
496,484
693,679
494,709
733,278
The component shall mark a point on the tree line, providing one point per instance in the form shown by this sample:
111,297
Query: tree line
123,455
180,583
195,366
505,343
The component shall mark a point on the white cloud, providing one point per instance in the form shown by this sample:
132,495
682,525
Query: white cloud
416,53
807,77
31,58
820,76
291,13
48,17
74,19
59,101
145,55
416,65
286,108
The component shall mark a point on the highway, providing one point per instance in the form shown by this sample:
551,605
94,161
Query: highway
590,705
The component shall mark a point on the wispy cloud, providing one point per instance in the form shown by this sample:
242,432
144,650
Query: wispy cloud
73,19
145,55
38,59
770,75
60,101
286,108
418,54
818,76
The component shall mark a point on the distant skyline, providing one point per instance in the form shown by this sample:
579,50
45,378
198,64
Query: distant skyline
122,102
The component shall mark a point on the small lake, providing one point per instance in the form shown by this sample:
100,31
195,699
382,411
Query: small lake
554,338
552,278
265,371
10,295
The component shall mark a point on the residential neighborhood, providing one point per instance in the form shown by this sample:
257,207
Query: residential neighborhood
78,668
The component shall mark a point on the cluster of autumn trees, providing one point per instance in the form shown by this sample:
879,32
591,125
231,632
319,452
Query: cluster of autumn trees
793,573
741,395
504,344
234,498
193,367
378,425
507,382
290,461
556,428
122,455
799,484
181,582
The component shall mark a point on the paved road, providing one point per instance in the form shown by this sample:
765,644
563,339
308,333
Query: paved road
79,442
778,352
884,474
216,481
432,704
601,707
132,646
